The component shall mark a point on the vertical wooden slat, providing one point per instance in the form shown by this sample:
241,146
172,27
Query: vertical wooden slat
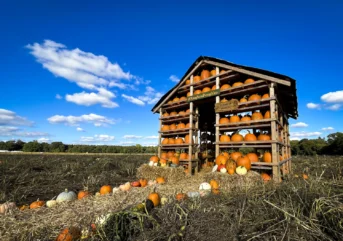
196,139
275,152
217,114
283,148
190,146
159,136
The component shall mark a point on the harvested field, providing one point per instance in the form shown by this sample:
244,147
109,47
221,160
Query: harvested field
246,208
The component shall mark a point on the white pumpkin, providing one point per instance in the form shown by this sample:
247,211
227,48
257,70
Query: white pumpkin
204,193
151,163
7,206
115,189
155,164
205,186
51,203
152,182
164,201
193,194
66,196
97,194
223,170
241,170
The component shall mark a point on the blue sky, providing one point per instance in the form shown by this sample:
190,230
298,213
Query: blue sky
90,71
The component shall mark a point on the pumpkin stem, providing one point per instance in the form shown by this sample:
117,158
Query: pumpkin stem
66,190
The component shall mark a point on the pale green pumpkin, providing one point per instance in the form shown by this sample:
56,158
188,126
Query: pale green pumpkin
66,196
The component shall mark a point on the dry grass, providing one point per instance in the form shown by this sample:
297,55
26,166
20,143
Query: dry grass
246,209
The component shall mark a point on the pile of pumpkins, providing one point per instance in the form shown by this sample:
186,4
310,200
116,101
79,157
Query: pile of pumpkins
173,127
236,162
176,141
170,159
176,114
255,116
236,137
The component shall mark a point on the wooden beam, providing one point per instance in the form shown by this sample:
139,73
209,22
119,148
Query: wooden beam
159,136
217,115
248,72
190,148
180,83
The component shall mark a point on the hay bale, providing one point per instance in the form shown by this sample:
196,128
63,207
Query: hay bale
233,182
170,174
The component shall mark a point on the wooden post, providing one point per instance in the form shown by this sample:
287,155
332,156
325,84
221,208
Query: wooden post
275,151
190,145
159,136
217,114
283,147
196,139
289,149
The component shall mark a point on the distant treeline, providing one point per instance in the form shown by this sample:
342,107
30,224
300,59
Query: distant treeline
35,146
332,145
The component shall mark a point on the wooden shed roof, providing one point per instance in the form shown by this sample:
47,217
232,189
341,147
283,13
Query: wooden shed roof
286,85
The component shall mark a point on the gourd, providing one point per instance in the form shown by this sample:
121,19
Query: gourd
193,194
51,203
221,166
223,170
7,206
143,182
231,166
155,198
37,204
106,189
115,190
214,184
244,161
125,187
164,201
66,196
160,180
241,170
69,234
205,186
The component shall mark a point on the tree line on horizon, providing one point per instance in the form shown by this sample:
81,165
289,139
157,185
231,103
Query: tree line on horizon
332,145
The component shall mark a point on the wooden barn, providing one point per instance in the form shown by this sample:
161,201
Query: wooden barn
220,106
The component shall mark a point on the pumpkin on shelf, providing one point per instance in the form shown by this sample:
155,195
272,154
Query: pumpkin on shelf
188,94
182,112
267,157
257,115
170,154
187,139
255,97
184,156
235,119
37,204
252,157
179,140
171,141
165,128
176,100
183,98
214,87
264,137
250,137
267,115
237,84
206,89
223,100
170,102
181,125
163,162
205,74
196,79
188,111
231,166
165,141
224,120
196,92
249,81
265,96
244,161
188,82
188,125
173,113
165,114
235,155
236,137
172,127
213,72
222,71
246,118
225,87
175,160
224,138
243,100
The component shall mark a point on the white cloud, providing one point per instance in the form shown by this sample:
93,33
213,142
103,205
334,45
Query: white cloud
95,119
327,128
103,97
8,117
126,143
80,129
151,137
313,106
294,138
58,96
133,100
149,144
299,124
334,107
97,138
333,97
15,131
132,137
304,134
43,139
174,78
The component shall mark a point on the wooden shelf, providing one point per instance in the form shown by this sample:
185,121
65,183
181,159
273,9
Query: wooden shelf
186,160
240,144
176,118
175,105
174,146
245,89
250,106
177,131
246,125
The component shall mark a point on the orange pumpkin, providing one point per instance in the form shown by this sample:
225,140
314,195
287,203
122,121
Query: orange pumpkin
221,159
172,127
183,156
165,128
234,119
188,125
264,137
235,155
236,137
255,97
171,154
223,100
171,141
237,84
266,177
205,74
181,196
214,87
213,72
181,126
265,96
249,81
243,100
231,166
222,71
160,180
244,161
206,89
165,114
188,82
154,159
69,234
143,182
197,92
214,184
224,138
82,194
224,120
163,161
173,113
196,79
225,87
176,99
250,137
164,155
182,112
37,204
246,118
175,160
183,98
155,198
170,102
225,153
179,140
165,141
257,116
267,157
105,189
267,115
188,94
252,157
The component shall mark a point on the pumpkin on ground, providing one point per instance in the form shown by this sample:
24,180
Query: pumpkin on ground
231,166
160,180
143,182
181,196
155,198
69,234
7,206
214,184
37,204
221,159
67,196
266,177
106,189
241,170
244,161
83,194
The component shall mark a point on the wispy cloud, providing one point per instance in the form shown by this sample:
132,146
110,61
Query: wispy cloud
174,78
333,97
96,120
327,128
8,117
304,134
97,138
80,129
299,125
58,96
313,106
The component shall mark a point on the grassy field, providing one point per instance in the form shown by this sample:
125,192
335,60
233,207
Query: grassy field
296,209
